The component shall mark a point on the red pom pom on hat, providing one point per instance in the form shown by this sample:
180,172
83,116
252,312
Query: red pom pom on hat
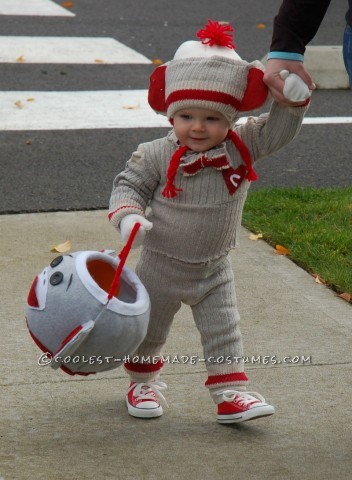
215,33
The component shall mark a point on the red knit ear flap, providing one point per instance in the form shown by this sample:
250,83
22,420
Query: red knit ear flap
170,190
245,154
256,91
156,92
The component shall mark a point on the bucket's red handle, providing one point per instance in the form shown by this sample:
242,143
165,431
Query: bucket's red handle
123,257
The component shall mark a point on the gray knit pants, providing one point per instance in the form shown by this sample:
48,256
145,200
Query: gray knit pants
210,292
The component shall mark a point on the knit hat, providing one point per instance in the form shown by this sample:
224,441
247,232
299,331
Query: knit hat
208,74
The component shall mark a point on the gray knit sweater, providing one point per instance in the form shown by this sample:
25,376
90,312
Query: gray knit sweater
202,222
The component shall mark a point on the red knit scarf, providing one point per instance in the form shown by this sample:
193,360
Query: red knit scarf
170,189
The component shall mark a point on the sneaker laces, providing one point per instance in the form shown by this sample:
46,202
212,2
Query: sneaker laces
147,390
242,398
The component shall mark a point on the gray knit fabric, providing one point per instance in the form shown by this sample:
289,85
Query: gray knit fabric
209,291
202,222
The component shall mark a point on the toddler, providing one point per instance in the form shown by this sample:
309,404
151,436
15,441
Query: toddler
195,181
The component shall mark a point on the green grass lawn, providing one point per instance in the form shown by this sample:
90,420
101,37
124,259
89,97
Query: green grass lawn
315,225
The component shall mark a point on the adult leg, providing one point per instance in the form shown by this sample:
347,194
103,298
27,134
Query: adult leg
347,51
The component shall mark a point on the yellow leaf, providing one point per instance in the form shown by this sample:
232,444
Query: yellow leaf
98,60
30,99
67,4
345,296
29,142
254,236
20,59
280,250
261,25
318,279
157,61
62,247
132,107
19,104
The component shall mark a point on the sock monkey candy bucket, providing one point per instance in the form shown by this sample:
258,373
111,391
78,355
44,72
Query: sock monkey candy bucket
87,311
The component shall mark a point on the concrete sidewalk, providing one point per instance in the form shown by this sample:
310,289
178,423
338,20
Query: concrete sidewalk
58,427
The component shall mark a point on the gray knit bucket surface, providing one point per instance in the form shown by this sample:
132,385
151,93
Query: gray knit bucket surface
74,322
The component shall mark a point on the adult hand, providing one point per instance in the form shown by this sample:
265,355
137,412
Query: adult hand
275,83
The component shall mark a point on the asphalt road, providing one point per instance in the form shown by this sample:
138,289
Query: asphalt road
47,170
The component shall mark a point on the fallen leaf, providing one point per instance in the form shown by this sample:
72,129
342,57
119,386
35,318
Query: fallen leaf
20,59
67,4
30,99
345,296
261,25
318,279
62,247
98,60
131,107
29,142
157,61
254,236
280,250
19,104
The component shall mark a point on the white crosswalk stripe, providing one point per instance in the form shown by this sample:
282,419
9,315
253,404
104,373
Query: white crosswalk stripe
78,50
33,7
77,110
92,110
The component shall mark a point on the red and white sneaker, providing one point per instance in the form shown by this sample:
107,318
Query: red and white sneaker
239,407
143,399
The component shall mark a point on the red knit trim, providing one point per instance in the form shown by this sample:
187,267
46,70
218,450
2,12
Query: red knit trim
203,162
144,367
170,189
111,214
245,154
307,102
209,95
229,377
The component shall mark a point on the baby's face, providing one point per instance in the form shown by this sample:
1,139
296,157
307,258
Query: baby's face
199,128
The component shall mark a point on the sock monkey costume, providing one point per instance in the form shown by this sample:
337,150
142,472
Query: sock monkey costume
196,200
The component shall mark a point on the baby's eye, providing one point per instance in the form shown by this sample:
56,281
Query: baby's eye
185,116
213,119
